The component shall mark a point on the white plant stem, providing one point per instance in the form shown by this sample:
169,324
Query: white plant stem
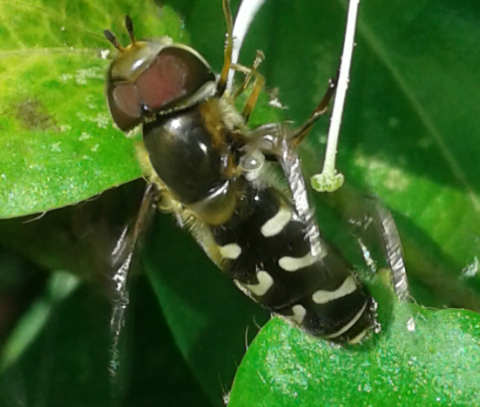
246,14
329,180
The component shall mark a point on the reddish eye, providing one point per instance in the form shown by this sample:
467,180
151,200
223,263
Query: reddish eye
126,97
163,81
124,105
174,74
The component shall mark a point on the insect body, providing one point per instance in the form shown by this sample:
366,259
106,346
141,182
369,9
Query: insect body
209,169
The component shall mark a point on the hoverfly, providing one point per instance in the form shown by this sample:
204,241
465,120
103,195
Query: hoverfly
214,174
255,152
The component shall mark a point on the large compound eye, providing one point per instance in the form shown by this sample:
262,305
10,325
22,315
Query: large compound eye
124,105
175,74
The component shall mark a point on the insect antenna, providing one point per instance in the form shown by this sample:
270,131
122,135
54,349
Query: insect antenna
129,25
111,37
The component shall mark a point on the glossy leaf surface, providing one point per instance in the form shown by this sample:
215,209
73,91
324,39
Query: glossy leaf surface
59,145
420,358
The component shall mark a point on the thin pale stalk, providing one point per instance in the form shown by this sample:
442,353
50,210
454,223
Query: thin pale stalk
329,180
245,16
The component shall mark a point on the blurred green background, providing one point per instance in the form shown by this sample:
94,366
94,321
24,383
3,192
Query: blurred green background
409,136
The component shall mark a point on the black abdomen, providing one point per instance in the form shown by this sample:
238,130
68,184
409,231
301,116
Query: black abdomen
268,255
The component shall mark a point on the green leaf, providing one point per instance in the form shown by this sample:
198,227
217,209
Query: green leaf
434,361
60,285
59,145
70,348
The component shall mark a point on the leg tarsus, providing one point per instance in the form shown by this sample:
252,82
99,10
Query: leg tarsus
249,72
252,99
266,134
299,135
257,86
374,228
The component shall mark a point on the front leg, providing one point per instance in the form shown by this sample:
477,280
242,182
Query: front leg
120,261
274,140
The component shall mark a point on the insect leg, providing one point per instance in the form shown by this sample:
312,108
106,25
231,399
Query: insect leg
248,73
373,223
393,250
278,143
299,135
273,139
270,137
121,259
355,316
222,82
257,86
